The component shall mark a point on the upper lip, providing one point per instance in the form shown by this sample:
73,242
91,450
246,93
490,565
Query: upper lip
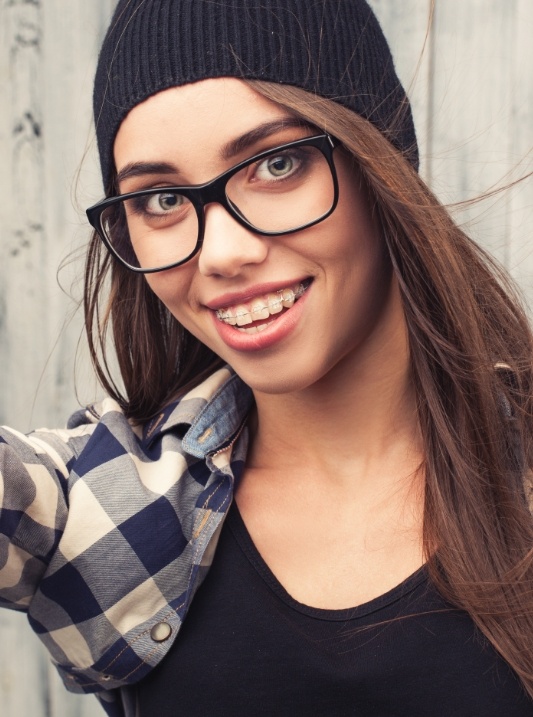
233,298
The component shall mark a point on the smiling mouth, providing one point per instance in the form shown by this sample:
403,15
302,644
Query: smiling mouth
256,315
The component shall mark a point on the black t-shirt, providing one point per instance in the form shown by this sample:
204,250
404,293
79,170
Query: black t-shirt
247,649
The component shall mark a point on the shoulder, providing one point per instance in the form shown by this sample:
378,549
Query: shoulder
130,515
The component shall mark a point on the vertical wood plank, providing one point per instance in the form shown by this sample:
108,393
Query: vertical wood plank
519,247
473,110
407,28
73,32
47,57
23,283
22,664
21,147
478,93
471,85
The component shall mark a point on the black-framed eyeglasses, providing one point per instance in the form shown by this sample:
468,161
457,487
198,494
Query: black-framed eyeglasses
280,191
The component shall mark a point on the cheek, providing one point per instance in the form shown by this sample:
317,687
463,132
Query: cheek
175,289
360,248
371,271
362,259
172,288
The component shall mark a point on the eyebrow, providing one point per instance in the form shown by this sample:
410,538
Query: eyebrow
228,151
236,146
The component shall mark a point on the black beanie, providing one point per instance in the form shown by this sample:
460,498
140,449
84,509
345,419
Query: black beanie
333,48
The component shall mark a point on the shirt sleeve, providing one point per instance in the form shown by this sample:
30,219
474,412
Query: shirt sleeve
34,475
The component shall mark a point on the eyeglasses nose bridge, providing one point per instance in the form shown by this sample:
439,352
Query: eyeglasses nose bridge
212,192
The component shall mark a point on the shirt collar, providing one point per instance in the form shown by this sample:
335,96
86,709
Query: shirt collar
210,415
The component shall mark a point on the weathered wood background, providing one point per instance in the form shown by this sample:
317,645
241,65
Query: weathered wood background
470,77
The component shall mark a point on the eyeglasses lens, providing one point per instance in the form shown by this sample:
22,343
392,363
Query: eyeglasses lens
284,191
152,230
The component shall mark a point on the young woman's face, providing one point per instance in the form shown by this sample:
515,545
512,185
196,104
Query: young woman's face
348,312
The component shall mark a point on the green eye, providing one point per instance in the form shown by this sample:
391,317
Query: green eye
277,167
165,202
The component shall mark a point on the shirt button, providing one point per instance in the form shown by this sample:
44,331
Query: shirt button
161,632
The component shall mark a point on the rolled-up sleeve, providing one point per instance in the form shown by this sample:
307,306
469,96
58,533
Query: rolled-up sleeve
34,473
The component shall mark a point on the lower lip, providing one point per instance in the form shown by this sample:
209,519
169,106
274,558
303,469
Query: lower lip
275,332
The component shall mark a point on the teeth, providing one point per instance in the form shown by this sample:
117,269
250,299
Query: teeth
288,298
243,316
261,309
227,317
255,329
275,304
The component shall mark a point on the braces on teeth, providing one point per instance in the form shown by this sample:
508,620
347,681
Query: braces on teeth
286,298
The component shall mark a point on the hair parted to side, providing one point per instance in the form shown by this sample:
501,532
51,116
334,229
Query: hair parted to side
471,354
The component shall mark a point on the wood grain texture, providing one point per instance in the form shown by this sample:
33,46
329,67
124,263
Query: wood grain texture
47,55
406,25
473,106
469,74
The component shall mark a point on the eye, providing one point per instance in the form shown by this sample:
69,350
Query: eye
278,166
163,203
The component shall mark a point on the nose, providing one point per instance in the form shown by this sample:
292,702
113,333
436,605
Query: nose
228,246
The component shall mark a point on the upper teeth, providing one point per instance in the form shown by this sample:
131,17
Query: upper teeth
262,307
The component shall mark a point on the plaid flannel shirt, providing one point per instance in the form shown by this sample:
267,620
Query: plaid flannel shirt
107,530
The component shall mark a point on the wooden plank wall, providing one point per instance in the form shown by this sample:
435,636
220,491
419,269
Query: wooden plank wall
469,73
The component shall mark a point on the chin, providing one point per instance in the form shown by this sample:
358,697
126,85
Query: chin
275,381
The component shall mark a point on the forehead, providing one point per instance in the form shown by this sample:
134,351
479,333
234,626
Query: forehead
200,116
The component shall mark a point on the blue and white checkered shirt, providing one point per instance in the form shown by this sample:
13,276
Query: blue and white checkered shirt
107,530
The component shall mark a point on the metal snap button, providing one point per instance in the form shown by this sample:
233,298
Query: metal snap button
161,632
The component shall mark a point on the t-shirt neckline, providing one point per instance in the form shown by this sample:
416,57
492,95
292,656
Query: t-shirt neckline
244,541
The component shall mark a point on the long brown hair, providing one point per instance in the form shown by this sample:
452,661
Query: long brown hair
471,353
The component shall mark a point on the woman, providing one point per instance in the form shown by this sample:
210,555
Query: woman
322,377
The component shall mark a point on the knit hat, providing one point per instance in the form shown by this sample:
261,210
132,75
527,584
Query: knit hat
333,48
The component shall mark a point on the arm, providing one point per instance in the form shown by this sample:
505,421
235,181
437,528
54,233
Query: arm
34,474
